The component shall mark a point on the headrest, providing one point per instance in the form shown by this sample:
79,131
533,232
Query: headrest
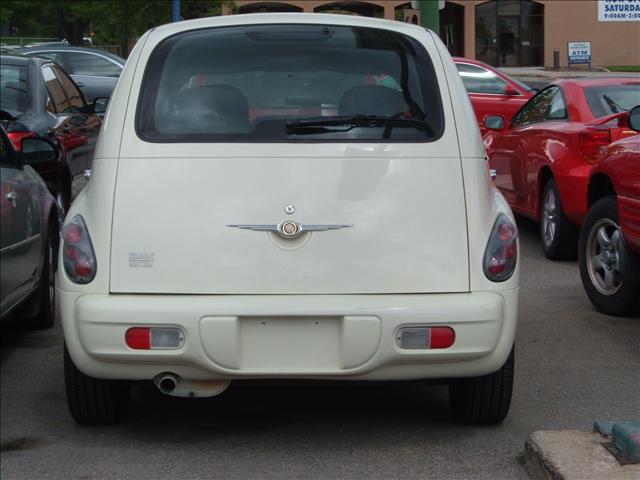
372,100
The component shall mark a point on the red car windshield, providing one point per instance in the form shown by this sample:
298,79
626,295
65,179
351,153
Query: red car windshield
610,99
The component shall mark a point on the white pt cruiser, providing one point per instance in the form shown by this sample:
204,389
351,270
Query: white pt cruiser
288,196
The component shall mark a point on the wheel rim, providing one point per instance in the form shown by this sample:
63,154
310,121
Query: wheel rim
603,256
549,218
60,205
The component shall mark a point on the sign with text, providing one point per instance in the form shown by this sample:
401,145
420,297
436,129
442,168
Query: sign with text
579,52
618,10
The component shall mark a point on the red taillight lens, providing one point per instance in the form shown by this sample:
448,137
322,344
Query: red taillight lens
501,255
441,337
16,138
593,141
78,257
138,338
73,233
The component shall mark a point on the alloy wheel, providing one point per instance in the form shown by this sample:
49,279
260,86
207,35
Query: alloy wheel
549,217
603,256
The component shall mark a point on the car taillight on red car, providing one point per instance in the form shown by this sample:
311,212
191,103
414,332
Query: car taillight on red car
593,140
78,256
16,138
501,255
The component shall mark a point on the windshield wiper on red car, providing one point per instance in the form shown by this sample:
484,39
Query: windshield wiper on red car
317,125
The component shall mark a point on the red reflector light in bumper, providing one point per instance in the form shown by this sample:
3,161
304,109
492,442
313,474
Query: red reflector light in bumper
154,338
138,338
415,338
442,337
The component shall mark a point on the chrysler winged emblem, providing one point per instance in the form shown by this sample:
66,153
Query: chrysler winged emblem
289,229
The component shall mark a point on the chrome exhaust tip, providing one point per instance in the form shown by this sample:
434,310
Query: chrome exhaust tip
167,383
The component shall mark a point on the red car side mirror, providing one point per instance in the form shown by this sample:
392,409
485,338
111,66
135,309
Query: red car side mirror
509,90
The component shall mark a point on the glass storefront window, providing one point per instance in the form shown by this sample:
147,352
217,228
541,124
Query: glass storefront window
510,33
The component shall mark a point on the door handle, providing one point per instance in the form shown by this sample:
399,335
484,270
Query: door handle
79,84
12,197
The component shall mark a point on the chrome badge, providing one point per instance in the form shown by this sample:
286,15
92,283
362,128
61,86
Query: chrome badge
290,229
289,209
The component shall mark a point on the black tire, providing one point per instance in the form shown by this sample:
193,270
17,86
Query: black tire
560,242
623,297
483,400
93,401
45,297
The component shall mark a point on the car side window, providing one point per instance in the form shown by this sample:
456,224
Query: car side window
58,103
76,101
90,64
545,106
480,80
558,108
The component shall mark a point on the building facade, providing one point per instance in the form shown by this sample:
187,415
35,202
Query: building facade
508,33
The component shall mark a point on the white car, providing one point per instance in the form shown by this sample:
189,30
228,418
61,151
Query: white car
288,196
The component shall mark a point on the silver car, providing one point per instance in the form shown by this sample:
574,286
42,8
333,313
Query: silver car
29,233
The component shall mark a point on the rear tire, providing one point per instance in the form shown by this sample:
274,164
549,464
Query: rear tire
483,400
93,401
600,259
558,235
45,297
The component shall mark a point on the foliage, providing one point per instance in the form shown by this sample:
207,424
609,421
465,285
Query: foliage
624,68
108,21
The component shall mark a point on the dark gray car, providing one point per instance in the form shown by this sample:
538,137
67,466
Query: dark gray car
94,71
28,232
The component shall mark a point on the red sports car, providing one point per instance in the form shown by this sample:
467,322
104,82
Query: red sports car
491,91
544,155
609,250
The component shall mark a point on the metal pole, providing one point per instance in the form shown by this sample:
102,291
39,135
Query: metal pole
430,15
175,10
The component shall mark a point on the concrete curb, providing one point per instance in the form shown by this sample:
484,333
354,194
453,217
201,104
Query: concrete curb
573,455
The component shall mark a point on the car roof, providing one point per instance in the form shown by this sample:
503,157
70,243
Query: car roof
597,82
472,62
15,59
168,29
67,48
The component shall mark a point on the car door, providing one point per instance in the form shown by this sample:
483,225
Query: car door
95,75
546,138
510,150
20,232
487,92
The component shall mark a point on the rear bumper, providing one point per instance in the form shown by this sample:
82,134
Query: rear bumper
300,336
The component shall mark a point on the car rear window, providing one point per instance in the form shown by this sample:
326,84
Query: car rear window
606,100
13,88
262,83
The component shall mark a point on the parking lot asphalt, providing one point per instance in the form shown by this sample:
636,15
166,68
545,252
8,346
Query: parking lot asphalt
573,366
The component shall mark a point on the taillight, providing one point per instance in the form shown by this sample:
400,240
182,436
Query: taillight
16,138
154,338
593,140
78,256
501,255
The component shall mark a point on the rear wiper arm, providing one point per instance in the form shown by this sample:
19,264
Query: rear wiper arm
309,126
613,105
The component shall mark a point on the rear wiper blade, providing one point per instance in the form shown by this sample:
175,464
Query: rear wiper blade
307,126
615,108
